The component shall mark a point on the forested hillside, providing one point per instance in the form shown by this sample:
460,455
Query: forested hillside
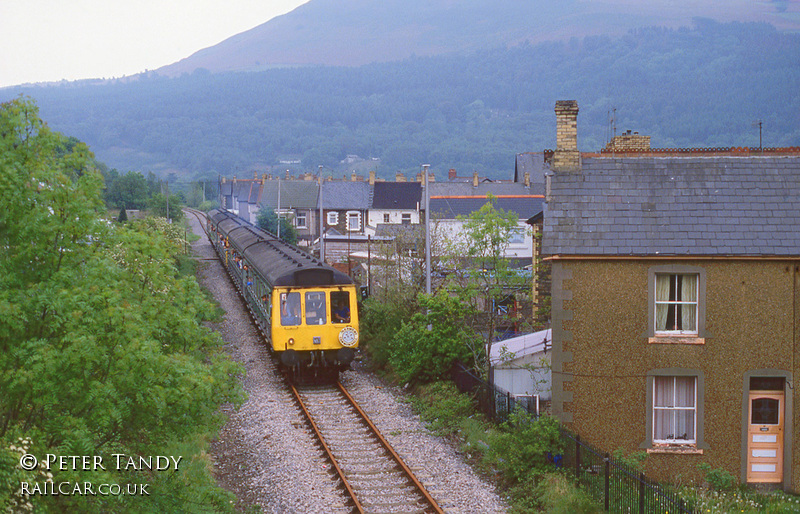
704,86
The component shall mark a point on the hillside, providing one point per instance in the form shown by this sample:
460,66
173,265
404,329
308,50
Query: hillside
357,32
704,86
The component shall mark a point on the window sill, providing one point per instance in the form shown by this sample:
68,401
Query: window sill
676,339
676,449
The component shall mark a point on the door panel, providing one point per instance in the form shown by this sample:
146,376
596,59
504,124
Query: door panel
765,437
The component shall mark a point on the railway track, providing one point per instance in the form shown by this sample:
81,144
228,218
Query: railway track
374,476
201,217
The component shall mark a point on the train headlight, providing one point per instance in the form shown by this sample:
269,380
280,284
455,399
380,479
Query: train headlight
348,337
291,341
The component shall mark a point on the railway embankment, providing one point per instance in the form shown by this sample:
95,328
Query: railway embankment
266,457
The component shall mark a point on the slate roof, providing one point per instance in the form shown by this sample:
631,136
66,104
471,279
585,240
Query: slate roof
695,206
532,163
451,207
496,188
396,195
345,195
295,194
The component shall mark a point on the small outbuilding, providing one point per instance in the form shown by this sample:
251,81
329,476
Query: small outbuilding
522,366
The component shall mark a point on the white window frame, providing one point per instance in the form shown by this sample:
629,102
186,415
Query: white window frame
673,408
301,220
405,218
350,216
333,218
386,218
516,236
673,279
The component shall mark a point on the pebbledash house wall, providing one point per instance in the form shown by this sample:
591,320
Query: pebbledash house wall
604,394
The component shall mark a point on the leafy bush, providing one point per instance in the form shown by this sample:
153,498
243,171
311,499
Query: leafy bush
718,479
521,449
421,354
556,494
208,205
267,220
634,460
442,406
379,322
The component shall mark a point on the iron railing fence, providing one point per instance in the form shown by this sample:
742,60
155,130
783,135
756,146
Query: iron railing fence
619,487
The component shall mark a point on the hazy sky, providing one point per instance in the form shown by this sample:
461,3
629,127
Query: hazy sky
49,40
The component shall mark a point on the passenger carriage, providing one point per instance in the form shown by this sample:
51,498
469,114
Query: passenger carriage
306,310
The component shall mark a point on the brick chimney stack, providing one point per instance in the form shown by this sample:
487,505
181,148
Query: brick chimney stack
399,177
372,177
566,157
474,179
451,175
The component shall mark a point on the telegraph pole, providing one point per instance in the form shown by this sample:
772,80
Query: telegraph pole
427,228
321,227
279,207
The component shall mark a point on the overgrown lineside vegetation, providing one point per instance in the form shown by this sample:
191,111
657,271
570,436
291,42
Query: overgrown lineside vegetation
102,350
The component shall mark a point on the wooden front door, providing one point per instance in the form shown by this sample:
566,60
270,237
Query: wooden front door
765,437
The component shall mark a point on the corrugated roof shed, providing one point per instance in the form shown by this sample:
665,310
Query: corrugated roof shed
696,206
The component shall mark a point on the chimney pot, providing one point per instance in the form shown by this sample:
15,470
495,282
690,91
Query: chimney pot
451,175
566,157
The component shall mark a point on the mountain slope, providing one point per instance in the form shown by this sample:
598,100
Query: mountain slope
356,32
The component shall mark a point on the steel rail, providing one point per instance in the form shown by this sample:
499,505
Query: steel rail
388,447
198,214
356,504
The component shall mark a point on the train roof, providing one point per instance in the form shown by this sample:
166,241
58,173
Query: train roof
280,263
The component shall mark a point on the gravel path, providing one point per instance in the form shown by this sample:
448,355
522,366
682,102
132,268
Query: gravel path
266,456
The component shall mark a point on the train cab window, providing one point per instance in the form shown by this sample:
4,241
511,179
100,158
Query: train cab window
340,307
315,308
290,309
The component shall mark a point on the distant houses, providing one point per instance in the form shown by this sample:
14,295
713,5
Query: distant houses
671,278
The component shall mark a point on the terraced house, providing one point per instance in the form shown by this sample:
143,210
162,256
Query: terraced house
676,303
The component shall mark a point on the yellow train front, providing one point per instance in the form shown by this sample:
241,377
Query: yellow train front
306,310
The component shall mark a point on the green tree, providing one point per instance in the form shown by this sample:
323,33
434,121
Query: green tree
102,349
268,220
484,278
128,191
170,208
425,348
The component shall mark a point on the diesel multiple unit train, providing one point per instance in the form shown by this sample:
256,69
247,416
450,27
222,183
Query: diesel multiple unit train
306,310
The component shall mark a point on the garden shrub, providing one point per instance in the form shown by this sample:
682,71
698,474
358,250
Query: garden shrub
379,322
442,406
718,479
521,450
425,348
557,494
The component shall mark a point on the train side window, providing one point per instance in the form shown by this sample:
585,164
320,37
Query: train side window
290,309
340,307
315,308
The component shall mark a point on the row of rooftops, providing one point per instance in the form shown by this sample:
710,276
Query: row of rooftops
632,200
453,197
627,200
